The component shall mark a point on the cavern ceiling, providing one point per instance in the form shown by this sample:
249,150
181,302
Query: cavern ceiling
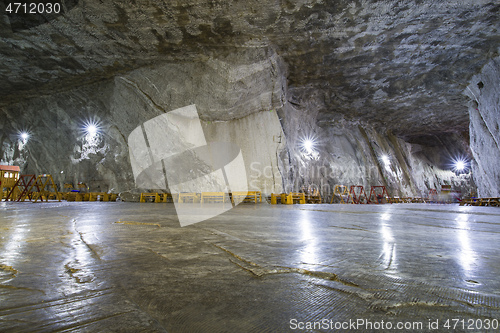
401,64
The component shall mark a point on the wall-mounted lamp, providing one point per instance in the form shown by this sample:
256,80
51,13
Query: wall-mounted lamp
460,165
308,145
23,137
91,128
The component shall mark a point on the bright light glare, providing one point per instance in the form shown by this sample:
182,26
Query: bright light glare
91,128
308,145
385,159
23,136
460,164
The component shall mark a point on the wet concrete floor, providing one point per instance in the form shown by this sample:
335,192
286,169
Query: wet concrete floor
130,267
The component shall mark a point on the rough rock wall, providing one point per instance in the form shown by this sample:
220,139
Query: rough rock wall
58,144
261,140
226,88
346,152
351,153
246,87
241,98
484,112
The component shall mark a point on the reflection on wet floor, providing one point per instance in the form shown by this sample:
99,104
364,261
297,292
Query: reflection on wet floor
130,267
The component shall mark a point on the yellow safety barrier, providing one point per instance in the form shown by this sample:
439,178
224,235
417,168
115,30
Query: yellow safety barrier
292,197
155,196
82,197
278,198
493,202
274,198
257,196
213,197
98,196
167,197
343,193
405,200
248,196
54,196
188,197
74,196
92,196
313,199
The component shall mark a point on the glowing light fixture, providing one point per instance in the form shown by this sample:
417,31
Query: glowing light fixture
385,159
308,144
308,147
24,136
460,164
91,128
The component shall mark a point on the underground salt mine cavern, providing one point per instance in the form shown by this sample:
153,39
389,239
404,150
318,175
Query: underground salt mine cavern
250,166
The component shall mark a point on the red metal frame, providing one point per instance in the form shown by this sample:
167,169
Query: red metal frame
433,195
374,194
24,185
357,199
